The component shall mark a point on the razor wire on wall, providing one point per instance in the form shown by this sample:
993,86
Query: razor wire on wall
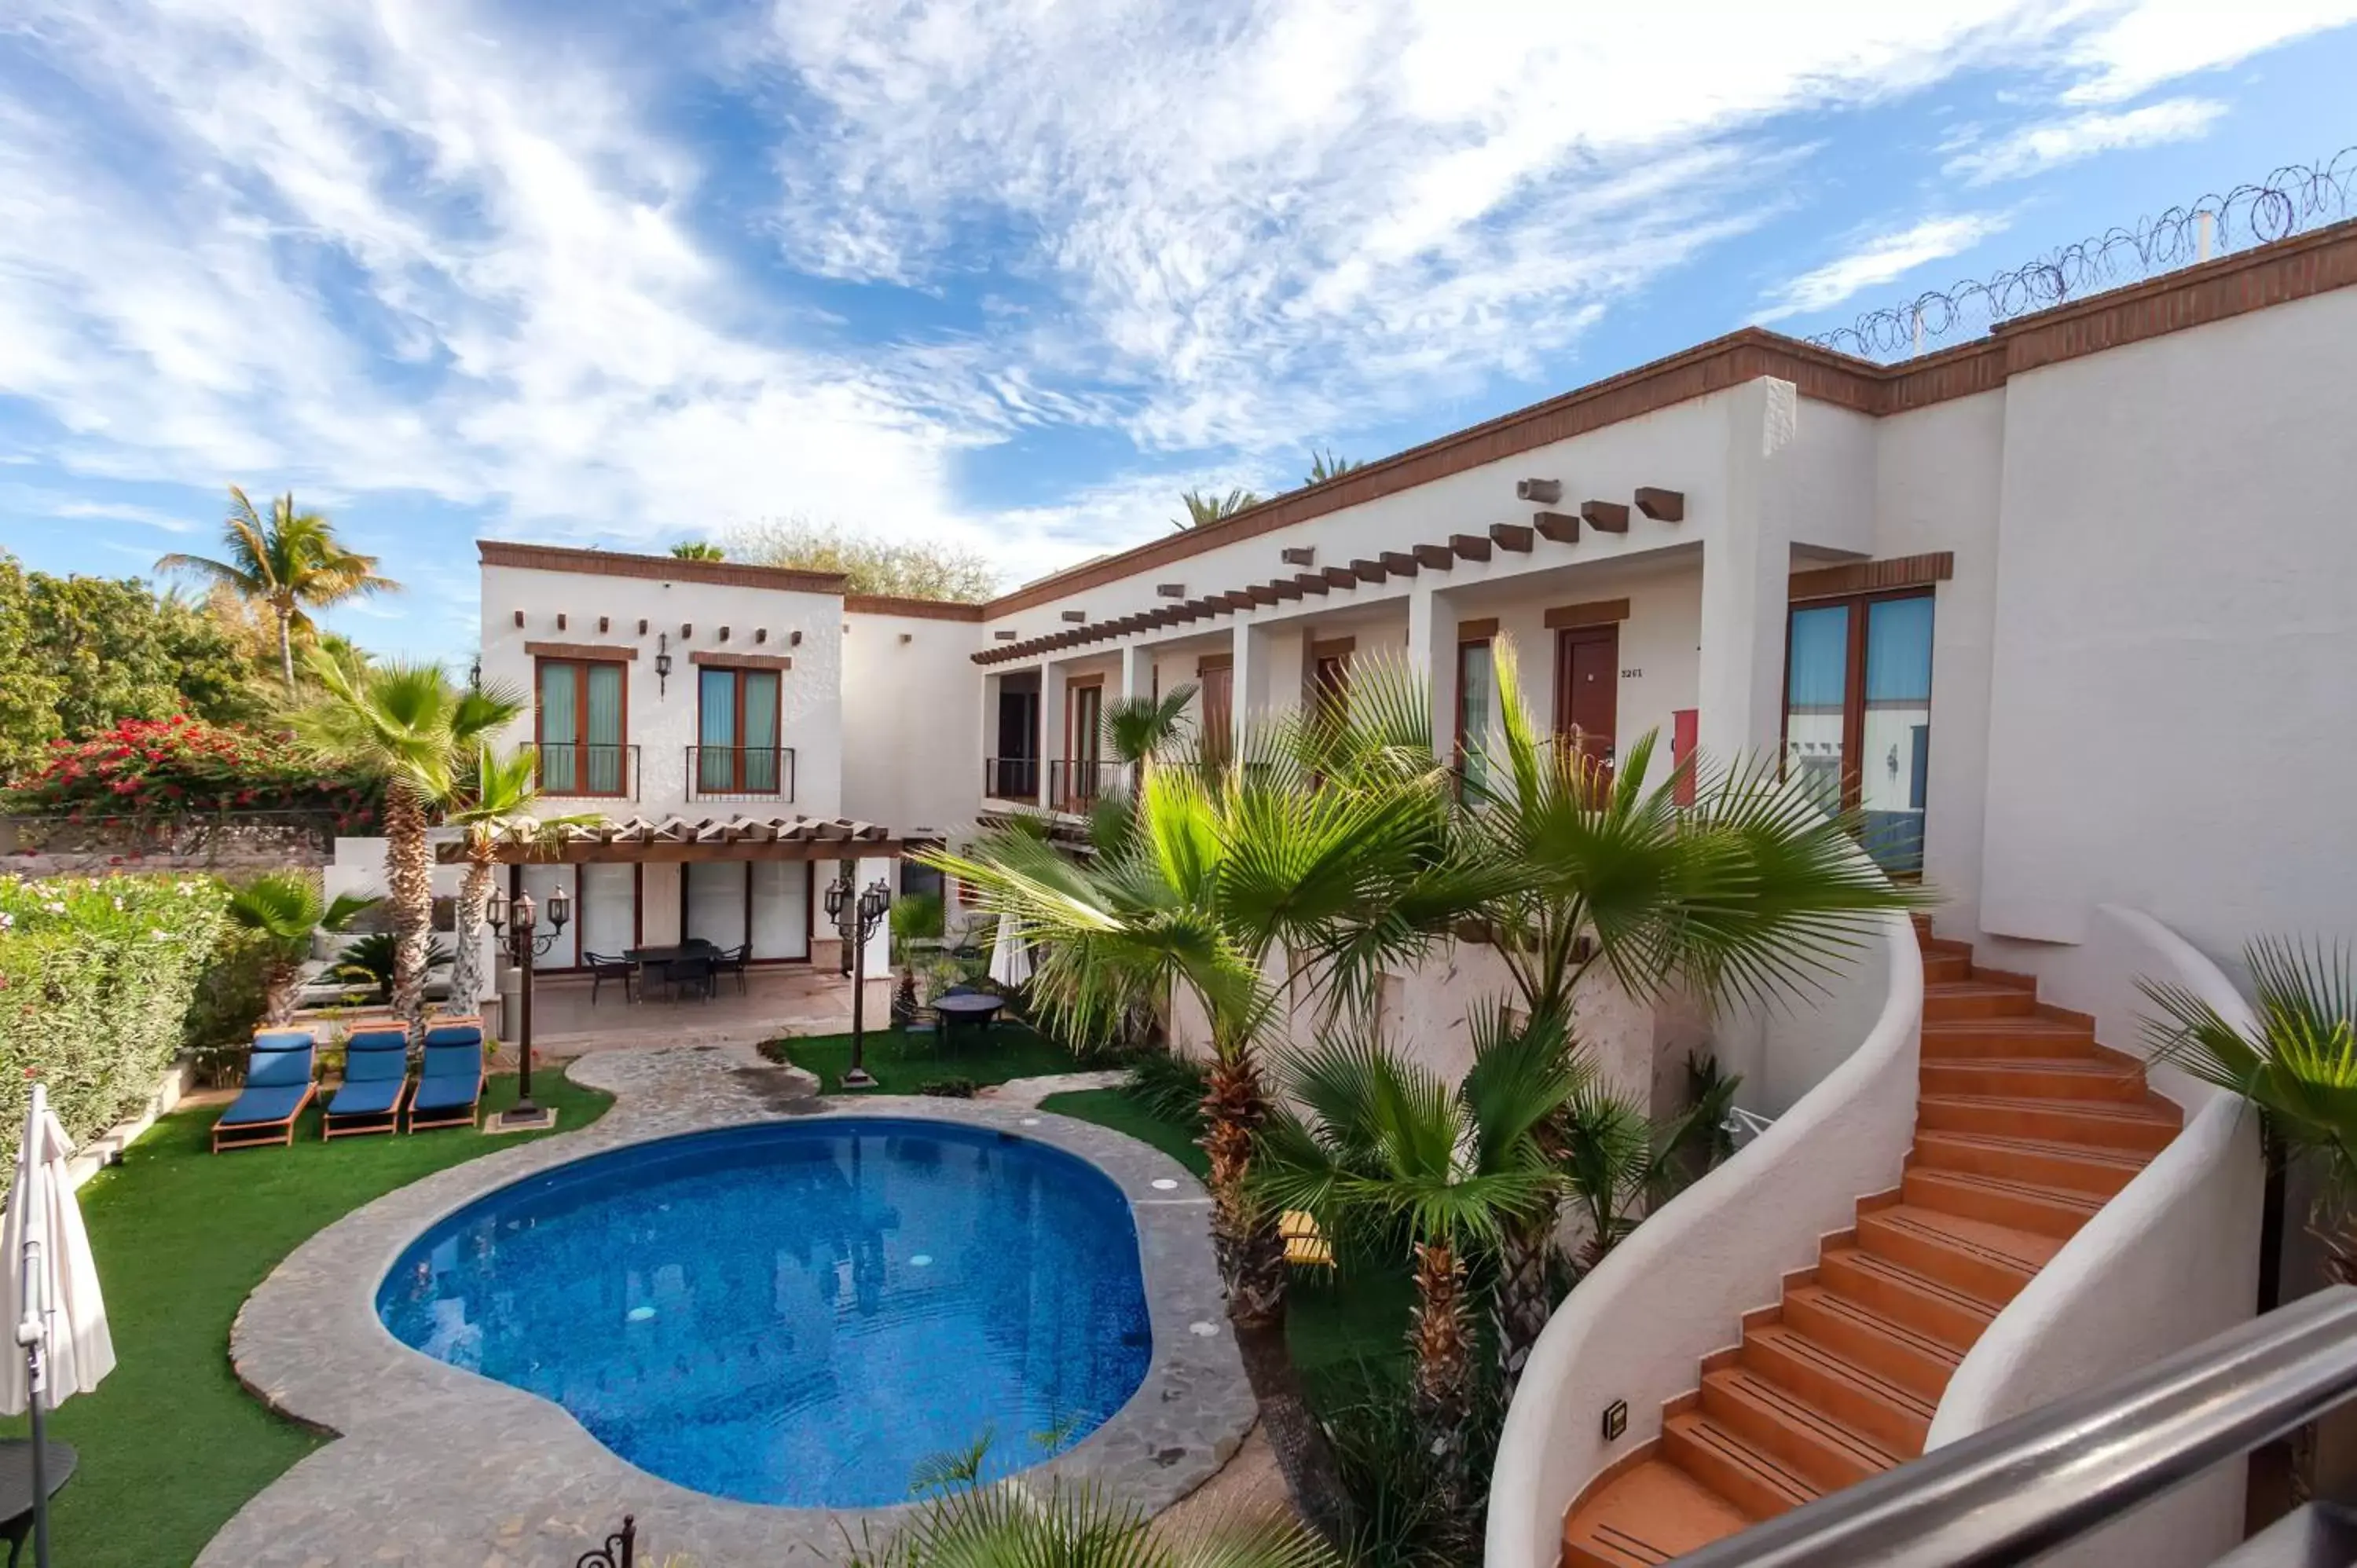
2292,200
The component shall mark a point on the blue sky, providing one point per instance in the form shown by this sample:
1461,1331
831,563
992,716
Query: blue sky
1009,276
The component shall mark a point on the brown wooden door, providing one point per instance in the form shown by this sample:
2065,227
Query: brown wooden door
1217,683
1587,688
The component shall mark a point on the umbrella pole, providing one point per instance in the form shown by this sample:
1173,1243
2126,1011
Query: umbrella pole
32,1329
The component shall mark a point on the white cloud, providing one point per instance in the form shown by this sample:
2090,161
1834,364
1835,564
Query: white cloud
2144,44
1883,259
415,249
2038,148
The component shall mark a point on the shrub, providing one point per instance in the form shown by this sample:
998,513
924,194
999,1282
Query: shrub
1170,1086
144,770
949,1088
96,976
230,997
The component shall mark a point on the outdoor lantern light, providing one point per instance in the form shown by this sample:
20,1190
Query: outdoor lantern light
856,916
516,921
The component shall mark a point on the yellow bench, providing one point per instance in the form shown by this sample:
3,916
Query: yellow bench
1304,1244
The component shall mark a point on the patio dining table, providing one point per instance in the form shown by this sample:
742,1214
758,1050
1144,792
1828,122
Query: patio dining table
651,960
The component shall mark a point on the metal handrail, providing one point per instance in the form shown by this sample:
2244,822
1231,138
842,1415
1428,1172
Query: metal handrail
2027,1485
740,773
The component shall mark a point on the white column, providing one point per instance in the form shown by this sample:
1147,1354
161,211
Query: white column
1251,679
1747,567
1051,726
1432,653
1137,671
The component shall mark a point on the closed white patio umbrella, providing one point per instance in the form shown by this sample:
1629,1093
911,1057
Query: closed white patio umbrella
50,1292
1010,960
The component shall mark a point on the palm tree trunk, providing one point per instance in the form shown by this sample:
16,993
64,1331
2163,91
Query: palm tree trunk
286,648
1441,1335
282,988
467,963
1243,1234
1524,1295
409,873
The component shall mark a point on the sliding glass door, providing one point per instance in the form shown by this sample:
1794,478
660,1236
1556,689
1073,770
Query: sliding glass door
1858,716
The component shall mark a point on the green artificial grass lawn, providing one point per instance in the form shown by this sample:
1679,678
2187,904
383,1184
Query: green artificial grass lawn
1122,1112
170,1445
905,1063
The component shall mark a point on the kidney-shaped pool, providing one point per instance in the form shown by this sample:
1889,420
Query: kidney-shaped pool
802,1313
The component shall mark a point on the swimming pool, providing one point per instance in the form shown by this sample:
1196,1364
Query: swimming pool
799,1314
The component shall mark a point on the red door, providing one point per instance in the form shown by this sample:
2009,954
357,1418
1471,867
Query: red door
1587,688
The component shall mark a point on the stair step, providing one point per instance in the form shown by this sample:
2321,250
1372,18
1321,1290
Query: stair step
2110,1123
1940,967
1647,1516
1918,1361
2034,1078
2076,1167
1892,1414
1977,999
2023,1037
1756,1482
2031,1206
1778,1420
1903,1296
1989,1262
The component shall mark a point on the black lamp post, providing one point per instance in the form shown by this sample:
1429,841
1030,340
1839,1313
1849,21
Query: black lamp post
856,916
517,924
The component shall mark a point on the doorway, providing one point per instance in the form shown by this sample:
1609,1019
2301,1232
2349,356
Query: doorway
1587,689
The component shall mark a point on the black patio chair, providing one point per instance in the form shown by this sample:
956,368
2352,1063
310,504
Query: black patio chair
738,960
603,967
701,976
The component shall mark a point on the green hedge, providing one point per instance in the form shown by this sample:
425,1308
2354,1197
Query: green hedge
96,975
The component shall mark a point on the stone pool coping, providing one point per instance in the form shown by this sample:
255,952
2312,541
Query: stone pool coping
435,1465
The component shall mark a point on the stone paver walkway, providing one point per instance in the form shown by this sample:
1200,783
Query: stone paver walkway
1031,1090
436,1467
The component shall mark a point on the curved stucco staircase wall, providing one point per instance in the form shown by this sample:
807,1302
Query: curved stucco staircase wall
2169,1261
1674,1291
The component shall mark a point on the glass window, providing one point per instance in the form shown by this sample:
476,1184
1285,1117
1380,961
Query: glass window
582,719
737,733
1476,702
1858,716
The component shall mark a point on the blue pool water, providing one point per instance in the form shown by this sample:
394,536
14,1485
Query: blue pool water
802,1313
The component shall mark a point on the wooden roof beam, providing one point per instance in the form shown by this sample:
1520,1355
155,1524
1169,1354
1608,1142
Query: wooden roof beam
1469,546
1662,506
1605,517
1511,536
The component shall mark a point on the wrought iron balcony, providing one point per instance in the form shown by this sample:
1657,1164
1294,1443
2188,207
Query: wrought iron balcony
1011,779
740,773
1076,787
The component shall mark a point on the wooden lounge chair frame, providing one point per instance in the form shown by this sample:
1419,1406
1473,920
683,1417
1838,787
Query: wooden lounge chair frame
261,1134
387,1121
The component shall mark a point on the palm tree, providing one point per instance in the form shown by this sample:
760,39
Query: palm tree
413,726
291,562
2297,1066
490,805
283,908
1202,508
1006,1526
1325,464
1139,729
1616,1164
1383,1143
1218,873
698,550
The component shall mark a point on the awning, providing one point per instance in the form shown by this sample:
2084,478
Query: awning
684,839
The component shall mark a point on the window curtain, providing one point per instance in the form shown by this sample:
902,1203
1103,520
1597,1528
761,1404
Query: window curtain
716,732
559,757
603,750
1898,652
761,758
1818,671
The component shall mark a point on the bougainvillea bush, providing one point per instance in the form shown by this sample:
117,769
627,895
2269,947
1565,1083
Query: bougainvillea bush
96,975
147,769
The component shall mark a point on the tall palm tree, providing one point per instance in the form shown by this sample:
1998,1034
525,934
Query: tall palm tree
698,550
1325,464
290,561
1006,1527
1204,508
1221,874
283,908
490,804
1383,1143
417,730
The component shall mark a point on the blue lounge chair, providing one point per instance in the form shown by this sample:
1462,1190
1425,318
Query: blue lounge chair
277,1086
450,1087
376,1078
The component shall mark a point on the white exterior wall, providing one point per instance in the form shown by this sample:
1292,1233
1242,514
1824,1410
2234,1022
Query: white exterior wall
2174,633
662,714
912,693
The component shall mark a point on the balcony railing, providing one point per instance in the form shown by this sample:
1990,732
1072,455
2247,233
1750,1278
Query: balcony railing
1076,787
1011,779
740,773
571,768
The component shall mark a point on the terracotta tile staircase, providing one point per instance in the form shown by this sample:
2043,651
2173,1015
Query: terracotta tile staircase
2024,1126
